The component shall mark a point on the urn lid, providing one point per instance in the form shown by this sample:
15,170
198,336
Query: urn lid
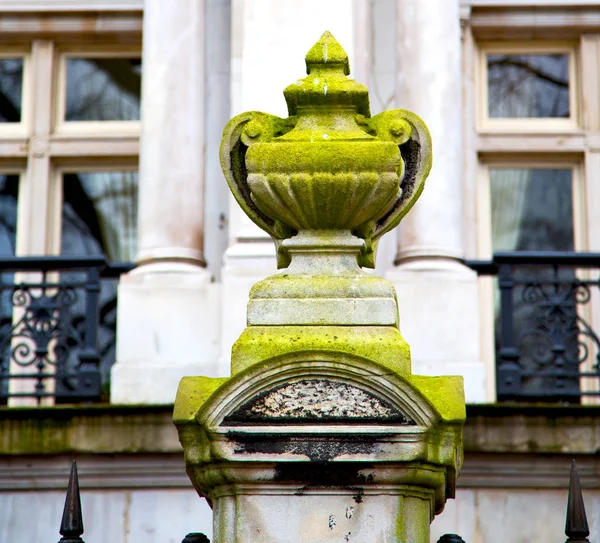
327,85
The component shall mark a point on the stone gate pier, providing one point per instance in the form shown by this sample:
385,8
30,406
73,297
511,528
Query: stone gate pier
322,433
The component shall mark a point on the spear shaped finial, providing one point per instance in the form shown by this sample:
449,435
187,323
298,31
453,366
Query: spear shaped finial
71,526
576,527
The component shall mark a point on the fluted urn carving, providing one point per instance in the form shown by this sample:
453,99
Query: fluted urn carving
329,166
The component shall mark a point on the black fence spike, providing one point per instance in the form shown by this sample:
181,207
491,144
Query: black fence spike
576,527
451,538
71,527
195,538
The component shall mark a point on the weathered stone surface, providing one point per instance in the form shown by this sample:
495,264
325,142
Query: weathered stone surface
318,399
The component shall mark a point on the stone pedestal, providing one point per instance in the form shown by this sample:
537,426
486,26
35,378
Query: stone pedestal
322,432
322,446
437,294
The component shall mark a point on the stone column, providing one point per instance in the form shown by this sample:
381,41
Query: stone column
167,307
437,294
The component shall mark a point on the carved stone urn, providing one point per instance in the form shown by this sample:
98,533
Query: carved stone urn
322,433
326,183
329,165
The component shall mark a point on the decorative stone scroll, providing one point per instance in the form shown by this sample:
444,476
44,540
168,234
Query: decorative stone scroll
318,400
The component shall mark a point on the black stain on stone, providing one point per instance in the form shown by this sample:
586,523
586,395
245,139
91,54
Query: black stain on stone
321,448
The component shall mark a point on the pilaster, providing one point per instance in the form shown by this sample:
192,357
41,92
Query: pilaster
169,296
437,294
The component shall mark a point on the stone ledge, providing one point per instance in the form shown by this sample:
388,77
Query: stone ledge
167,470
543,429
114,429
87,429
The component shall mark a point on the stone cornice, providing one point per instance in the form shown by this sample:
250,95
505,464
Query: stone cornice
114,429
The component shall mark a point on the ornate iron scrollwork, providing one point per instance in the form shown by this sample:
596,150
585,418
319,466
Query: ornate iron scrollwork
57,327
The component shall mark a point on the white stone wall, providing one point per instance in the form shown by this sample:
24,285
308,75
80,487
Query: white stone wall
109,516
491,515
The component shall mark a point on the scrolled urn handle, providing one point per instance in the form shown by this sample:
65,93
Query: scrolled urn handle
241,132
410,133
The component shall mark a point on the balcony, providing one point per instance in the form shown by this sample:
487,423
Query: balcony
58,326
546,306
57,329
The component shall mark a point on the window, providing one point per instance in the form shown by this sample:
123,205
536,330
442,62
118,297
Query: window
99,214
99,91
531,209
528,88
533,178
69,144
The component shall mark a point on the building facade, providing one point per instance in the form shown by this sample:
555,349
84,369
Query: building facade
111,115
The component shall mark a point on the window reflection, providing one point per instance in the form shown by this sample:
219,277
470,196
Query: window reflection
103,89
100,214
9,194
11,89
532,209
100,218
528,86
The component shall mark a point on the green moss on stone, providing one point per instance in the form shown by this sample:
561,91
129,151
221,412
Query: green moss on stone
191,394
381,344
446,394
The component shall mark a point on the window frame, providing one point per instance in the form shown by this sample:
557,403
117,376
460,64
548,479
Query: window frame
85,128
530,162
487,284
526,124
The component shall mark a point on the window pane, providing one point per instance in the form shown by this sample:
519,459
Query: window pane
11,89
532,210
100,214
103,89
528,86
9,194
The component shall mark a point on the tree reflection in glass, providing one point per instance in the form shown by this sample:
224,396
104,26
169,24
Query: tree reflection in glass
100,218
103,89
534,86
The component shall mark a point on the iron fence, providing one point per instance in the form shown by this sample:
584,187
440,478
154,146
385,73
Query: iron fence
546,346
576,525
57,327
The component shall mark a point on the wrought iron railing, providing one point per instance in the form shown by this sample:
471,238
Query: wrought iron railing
576,525
546,346
57,327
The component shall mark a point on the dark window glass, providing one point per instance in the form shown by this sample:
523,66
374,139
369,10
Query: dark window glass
100,218
100,214
532,210
9,195
528,86
103,89
11,89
